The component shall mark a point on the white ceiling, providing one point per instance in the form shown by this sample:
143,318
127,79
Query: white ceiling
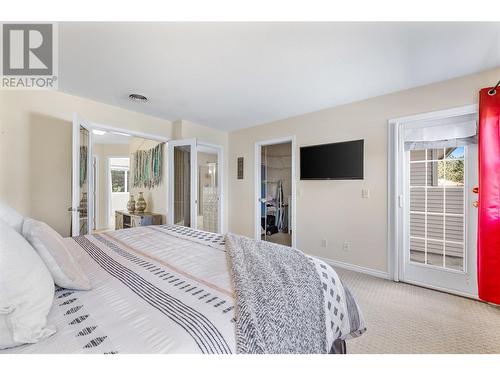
235,75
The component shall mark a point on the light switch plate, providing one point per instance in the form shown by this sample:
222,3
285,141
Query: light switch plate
365,193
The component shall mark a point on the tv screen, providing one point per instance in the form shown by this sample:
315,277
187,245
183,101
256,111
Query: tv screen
333,161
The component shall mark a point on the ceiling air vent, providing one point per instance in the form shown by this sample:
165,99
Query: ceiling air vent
138,98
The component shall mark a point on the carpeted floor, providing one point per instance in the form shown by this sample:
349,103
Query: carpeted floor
403,318
281,238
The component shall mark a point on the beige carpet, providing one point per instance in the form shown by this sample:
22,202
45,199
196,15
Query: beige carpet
403,318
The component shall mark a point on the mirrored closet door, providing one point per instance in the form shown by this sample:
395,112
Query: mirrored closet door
208,192
82,178
195,185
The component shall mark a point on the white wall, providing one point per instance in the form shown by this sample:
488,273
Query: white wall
334,210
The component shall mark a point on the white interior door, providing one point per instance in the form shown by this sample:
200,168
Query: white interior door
82,178
182,192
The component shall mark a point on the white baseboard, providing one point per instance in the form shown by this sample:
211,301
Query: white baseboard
445,290
356,268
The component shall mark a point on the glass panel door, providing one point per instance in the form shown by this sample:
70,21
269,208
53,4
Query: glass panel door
437,198
441,219
82,179
182,191
195,185
208,198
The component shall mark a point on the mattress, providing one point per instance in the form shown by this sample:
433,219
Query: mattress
162,289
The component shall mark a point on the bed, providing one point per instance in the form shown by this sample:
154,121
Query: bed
166,289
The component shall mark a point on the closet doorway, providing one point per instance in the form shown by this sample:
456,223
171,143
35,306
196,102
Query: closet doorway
101,184
275,191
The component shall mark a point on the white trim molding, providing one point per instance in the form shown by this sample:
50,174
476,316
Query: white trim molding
355,268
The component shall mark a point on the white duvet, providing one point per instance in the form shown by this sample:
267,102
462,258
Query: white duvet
161,289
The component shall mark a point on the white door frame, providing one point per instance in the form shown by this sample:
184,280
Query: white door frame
194,143
77,120
257,187
395,239
96,170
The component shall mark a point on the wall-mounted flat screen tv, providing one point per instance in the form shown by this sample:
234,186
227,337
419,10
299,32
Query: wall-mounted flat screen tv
333,161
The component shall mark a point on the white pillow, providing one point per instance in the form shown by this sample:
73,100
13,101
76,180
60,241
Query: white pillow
26,291
51,247
11,217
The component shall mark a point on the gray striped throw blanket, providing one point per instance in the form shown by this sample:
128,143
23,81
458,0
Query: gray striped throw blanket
279,298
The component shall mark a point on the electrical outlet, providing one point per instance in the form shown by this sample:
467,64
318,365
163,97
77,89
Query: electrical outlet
324,242
346,246
365,193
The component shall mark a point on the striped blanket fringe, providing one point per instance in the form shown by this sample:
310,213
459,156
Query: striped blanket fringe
148,167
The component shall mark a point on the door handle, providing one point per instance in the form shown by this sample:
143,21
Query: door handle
78,209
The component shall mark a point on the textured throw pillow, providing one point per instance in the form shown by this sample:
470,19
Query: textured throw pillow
26,291
51,247
11,217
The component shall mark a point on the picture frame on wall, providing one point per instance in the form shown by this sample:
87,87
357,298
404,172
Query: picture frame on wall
240,168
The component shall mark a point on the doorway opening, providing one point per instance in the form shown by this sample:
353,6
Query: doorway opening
275,185
110,166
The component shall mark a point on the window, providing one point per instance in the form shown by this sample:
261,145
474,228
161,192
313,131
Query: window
119,170
119,180
437,198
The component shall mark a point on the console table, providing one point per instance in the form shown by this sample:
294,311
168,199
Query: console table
125,219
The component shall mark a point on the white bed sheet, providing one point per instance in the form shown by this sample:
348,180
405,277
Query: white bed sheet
162,289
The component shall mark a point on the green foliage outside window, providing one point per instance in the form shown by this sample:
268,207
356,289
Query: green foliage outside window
118,181
454,170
